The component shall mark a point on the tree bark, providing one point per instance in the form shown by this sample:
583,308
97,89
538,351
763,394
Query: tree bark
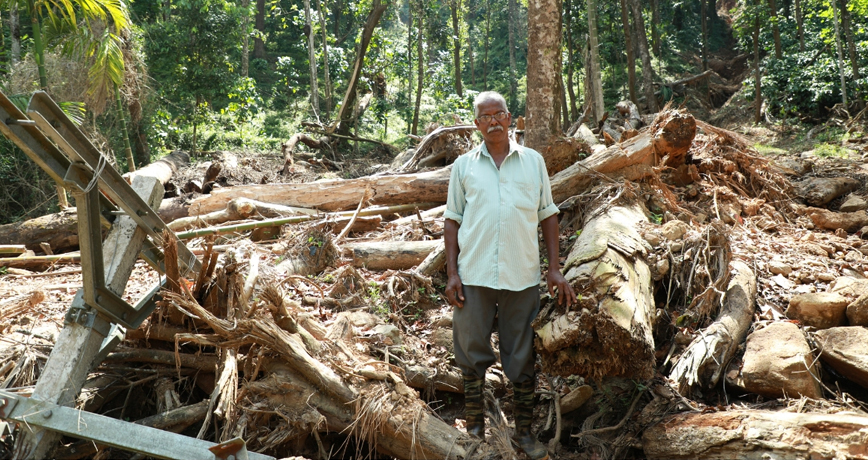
259,23
609,332
455,5
631,60
706,358
758,95
245,39
655,34
311,57
647,70
162,169
325,62
594,82
543,89
568,32
344,118
14,34
467,19
851,48
487,39
755,435
800,30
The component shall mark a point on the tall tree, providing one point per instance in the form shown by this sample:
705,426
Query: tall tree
325,60
758,94
593,80
259,24
455,5
704,14
344,117
543,83
655,21
311,55
631,60
467,20
14,34
245,39
840,51
487,40
851,48
647,70
776,31
420,67
513,42
800,30
568,32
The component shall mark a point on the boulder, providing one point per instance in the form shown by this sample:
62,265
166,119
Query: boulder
849,286
821,310
853,203
857,311
843,349
674,229
778,267
776,359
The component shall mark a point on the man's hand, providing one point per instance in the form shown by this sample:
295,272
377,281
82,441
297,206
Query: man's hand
455,291
554,279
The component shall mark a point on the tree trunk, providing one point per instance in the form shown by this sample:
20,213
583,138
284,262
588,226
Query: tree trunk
455,5
419,69
245,39
162,169
755,435
704,14
38,46
14,34
706,358
128,150
311,57
470,47
776,31
568,17
799,26
647,70
344,117
594,80
543,88
851,48
655,34
840,52
610,333
487,39
631,60
325,62
258,44
513,42
758,95
388,255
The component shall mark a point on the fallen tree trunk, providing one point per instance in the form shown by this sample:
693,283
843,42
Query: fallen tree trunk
162,169
421,158
757,435
389,255
60,230
289,148
39,262
670,135
608,333
335,194
706,358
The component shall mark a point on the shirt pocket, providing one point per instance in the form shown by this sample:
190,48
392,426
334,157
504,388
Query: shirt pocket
525,195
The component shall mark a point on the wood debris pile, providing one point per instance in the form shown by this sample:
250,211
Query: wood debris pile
326,336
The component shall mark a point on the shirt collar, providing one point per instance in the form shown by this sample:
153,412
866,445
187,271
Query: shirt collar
513,147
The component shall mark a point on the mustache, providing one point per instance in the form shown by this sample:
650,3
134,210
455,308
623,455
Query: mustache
494,128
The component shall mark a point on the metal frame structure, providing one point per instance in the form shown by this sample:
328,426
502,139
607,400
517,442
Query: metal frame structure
95,322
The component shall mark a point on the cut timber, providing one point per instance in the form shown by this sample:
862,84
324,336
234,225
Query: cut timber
706,358
757,435
60,230
389,255
39,262
670,135
237,209
162,169
609,332
335,194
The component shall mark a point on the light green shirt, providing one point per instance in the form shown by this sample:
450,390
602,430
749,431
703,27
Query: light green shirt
498,212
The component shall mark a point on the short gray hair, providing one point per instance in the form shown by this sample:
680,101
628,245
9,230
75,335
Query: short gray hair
487,96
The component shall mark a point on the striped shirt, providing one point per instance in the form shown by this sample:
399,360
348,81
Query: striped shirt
498,212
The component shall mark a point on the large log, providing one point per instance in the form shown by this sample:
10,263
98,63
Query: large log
670,135
335,194
162,169
706,358
608,333
757,435
60,230
389,255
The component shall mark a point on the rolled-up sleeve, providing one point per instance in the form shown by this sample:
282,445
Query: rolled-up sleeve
547,207
455,199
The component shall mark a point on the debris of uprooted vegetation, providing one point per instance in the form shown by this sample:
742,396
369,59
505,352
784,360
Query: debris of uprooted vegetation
711,301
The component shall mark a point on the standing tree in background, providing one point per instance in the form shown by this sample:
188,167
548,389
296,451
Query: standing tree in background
487,42
419,62
593,80
800,30
14,34
647,70
325,61
245,39
758,95
455,5
311,54
851,50
543,83
840,49
259,24
568,33
513,42
776,31
344,116
631,60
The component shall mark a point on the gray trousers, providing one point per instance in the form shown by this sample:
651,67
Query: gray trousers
473,324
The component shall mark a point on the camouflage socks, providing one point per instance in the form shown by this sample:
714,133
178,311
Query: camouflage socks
523,404
474,406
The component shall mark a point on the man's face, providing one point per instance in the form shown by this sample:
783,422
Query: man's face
493,130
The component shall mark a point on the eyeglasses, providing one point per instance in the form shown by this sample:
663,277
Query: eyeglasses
497,116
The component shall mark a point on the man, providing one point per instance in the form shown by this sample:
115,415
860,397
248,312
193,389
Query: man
499,193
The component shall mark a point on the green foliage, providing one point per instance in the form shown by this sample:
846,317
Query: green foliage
826,150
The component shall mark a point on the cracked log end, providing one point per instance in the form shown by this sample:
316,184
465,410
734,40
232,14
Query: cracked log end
673,134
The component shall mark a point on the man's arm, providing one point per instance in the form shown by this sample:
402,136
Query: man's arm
554,278
454,288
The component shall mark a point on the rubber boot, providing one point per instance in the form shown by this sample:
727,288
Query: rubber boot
474,406
523,411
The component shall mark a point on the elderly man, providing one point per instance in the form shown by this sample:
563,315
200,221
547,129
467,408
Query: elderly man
498,194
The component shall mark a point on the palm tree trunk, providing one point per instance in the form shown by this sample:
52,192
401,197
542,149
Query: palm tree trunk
131,162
